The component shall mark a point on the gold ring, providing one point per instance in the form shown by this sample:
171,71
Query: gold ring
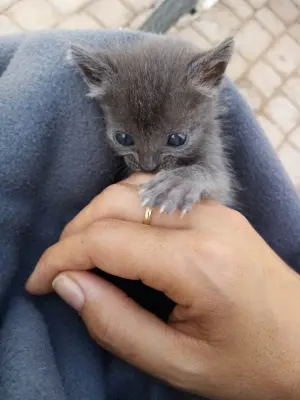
147,216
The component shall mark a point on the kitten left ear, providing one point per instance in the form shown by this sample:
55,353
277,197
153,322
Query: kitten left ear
207,69
94,67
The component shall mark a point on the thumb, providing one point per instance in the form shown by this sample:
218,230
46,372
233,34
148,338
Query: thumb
121,326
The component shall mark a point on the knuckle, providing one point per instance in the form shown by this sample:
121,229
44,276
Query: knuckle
103,324
66,231
114,191
46,257
106,198
99,230
236,218
212,251
102,225
117,194
111,190
99,332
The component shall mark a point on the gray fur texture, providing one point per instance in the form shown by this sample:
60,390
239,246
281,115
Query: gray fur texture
155,88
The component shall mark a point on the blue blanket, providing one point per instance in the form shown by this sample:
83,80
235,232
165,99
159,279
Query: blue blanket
53,161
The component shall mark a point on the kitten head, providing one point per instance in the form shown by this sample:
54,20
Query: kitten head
158,96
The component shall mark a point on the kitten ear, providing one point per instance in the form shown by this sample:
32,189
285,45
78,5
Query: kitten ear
95,68
207,69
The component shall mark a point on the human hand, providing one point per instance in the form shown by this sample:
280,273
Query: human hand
234,333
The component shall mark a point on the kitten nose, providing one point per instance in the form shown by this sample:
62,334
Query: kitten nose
149,165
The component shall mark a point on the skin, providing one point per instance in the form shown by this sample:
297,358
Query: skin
234,333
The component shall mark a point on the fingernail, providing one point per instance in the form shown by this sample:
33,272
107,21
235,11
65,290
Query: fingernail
183,213
162,209
69,291
145,203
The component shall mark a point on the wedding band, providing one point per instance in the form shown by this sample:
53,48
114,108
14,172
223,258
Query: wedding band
147,216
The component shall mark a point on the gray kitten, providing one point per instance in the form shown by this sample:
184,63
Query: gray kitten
160,100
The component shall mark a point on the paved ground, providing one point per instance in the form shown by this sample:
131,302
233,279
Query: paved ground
265,66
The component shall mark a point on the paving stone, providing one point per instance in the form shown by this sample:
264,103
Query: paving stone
290,159
188,19
7,26
79,21
292,89
68,6
285,10
271,131
138,21
237,66
191,35
111,13
281,111
252,40
207,4
294,138
251,94
139,5
264,78
33,14
217,23
4,4
284,55
295,32
269,20
257,3
240,7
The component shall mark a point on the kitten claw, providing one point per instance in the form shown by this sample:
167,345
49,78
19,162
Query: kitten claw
169,193
145,203
184,212
162,209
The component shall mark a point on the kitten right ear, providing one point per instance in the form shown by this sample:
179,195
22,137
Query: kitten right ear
207,69
94,67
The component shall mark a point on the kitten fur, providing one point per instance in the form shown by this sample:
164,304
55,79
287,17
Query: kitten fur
154,88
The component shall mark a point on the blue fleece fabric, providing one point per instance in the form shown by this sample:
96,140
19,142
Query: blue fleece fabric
53,161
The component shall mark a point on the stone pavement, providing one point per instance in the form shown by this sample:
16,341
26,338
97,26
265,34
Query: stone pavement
266,62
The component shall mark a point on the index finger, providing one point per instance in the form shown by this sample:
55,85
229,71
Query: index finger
122,201
160,258
138,178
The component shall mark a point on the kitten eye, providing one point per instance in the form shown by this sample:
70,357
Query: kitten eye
124,139
177,139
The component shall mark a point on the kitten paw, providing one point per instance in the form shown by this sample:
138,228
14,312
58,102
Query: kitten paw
169,192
